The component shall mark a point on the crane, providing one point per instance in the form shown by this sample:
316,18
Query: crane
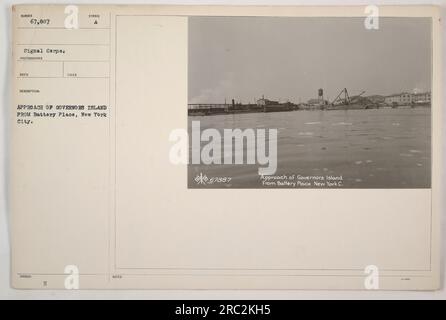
347,99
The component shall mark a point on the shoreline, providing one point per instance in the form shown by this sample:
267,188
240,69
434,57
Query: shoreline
234,112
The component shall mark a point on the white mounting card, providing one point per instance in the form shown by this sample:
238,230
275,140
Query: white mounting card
220,147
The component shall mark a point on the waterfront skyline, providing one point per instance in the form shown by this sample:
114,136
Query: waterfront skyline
291,58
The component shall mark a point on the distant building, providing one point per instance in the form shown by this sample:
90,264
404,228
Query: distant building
392,99
265,102
405,98
424,97
399,99
317,102
376,98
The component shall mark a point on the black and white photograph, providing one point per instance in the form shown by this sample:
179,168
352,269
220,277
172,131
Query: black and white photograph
309,102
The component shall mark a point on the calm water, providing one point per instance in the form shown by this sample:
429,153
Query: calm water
378,148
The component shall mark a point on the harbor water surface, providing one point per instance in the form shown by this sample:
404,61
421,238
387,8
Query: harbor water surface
376,148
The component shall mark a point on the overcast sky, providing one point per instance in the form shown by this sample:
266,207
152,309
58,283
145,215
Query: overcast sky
290,58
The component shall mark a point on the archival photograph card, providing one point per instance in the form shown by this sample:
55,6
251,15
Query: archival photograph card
318,130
